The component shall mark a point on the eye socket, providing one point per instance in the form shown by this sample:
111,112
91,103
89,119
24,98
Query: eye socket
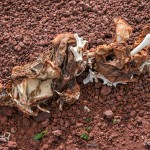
110,57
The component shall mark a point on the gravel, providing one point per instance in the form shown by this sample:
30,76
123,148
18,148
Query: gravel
27,27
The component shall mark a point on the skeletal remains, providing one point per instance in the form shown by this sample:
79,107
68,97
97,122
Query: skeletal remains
54,75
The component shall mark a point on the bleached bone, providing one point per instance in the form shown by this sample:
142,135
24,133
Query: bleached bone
93,76
80,42
77,50
42,109
90,78
77,95
107,82
147,64
87,109
143,44
77,55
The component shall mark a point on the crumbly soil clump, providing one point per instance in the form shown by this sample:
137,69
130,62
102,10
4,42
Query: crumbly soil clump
118,118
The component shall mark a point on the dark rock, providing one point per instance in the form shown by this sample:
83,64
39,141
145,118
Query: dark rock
45,123
35,143
147,144
6,111
42,116
105,90
26,122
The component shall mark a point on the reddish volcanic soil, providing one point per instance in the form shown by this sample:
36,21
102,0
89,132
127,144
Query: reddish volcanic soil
119,118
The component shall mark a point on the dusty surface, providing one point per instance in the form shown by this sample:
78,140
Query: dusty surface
26,29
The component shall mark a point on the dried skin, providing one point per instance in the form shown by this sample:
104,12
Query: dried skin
31,83
62,56
123,30
30,92
56,42
113,61
4,97
40,69
67,59
143,55
145,31
110,61
70,95
60,44
37,81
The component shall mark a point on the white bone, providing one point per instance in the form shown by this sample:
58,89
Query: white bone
146,63
119,82
143,44
42,109
90,78
80,42
77,50
93,76
107,82
87,109
77,55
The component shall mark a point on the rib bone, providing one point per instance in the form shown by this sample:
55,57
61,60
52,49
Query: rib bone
143,44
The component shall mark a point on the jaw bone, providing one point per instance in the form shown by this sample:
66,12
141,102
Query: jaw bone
107,82
94,76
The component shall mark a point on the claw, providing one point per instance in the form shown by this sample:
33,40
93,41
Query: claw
42,109
61,102
59,93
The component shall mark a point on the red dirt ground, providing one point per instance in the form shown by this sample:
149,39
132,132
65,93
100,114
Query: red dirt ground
26,28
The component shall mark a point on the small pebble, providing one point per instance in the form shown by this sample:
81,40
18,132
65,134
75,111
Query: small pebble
108,114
